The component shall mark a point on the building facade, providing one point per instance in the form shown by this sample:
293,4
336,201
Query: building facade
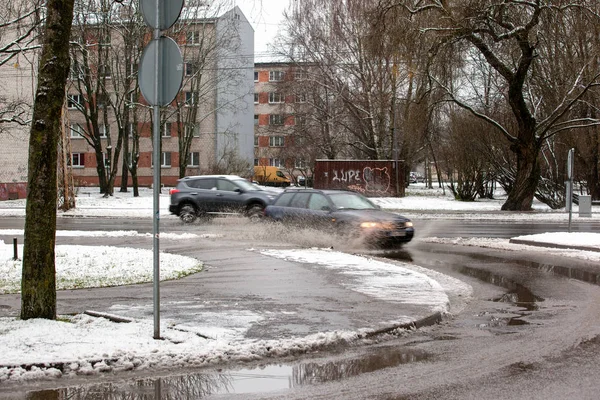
208,126
210,121
279,117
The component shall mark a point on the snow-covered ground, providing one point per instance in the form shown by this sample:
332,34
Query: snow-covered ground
85,342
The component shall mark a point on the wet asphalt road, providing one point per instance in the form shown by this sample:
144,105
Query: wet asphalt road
530,330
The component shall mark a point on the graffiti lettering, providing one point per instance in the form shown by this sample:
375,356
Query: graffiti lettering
346,176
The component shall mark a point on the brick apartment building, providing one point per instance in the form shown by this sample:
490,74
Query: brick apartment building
278,115
219,119
222,125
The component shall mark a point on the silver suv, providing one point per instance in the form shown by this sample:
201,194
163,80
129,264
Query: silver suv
200,196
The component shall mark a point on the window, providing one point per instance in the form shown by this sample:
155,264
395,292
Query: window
190,69
192,130
74,101
300,119
275,97
255,98
203,183
255,76
76,131
101,100
102,130
130,129
131,101
275,119
75,71
193,159
300,164
301,98
166,130
165,159
276,141
129,159
300,74
224,184
191,98
78,160
255,140
275,162
300,200
276,76
104,71
256,119
256,162
192,38
318,202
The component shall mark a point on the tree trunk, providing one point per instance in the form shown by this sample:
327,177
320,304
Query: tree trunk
521,196
38,282
593,181
124,164
134,183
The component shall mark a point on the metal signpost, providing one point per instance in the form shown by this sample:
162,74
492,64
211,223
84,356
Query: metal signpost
570,162
160,77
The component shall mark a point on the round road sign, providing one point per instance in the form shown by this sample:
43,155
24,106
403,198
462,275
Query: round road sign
168,12
170,71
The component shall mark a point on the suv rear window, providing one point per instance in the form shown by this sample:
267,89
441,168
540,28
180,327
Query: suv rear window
203,183
224,184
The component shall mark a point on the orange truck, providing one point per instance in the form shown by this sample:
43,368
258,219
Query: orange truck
270,176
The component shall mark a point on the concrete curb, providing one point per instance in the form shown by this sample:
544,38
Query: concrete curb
553,245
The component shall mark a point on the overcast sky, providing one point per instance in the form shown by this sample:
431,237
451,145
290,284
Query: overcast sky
265,16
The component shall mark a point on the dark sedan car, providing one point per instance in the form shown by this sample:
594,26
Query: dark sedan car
347,212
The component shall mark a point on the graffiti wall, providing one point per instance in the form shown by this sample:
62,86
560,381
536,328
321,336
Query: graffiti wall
13,191
373,178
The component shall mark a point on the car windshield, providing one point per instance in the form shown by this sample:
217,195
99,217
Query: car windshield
351,201
246,185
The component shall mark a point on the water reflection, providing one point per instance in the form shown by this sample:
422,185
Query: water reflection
517,293
260,379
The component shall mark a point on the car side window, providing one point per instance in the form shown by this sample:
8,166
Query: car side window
318,202
223,184
202,183
300,200
284,199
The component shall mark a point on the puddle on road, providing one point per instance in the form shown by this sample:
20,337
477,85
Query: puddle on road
580,273
266,378
517,293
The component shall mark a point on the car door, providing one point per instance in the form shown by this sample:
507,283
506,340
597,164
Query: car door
296,211
203,193
319,210
228,196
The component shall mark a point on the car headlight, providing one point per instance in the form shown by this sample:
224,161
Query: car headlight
369,225
377,225
408,224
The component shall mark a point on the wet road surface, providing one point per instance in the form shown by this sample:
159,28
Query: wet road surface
530,331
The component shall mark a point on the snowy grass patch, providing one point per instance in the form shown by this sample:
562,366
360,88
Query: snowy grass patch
80,267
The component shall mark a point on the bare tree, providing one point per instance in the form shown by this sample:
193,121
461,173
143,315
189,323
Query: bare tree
38,283
507,35
92,35
352,87
19,26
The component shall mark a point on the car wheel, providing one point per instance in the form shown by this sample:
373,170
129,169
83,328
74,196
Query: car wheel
188,214
255,212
